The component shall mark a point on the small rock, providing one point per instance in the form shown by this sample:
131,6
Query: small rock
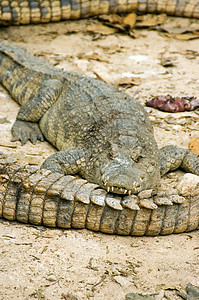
122,281
93,264
160,296
115,271
51,277
188,185
68,296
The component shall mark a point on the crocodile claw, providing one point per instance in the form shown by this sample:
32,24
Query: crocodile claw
24,131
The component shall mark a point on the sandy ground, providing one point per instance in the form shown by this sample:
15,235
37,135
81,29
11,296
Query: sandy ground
42,263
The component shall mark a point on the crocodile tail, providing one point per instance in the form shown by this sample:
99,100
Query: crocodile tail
30,195
21,73
38,11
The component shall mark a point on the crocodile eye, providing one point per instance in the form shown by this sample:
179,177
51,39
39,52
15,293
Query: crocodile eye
136,154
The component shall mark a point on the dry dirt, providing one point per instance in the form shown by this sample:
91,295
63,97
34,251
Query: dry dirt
43,263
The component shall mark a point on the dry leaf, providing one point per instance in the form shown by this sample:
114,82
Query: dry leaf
173,29
100,29
124,24
114,21
177,29
130,20
111,48
150,20
180,33
92,56
183,37
194,146
112,18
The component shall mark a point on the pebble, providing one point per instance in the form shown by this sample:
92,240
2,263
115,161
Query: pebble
51,277
188,185
124,282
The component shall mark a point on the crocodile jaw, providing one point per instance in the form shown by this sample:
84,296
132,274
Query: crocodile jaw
127,177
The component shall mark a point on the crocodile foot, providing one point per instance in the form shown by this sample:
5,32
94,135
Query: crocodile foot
24,131
192,292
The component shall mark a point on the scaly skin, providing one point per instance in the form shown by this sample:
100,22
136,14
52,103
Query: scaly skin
39,197
102,133
39,11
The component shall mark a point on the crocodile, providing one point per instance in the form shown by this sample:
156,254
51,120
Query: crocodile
41,197
102,134
15,12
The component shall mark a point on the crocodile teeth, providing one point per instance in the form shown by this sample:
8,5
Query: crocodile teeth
117,189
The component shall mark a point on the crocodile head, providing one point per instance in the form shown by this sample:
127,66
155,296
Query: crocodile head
126,167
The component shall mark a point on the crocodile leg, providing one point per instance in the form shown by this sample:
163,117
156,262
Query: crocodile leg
65,162
36,106
25,128
172,157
